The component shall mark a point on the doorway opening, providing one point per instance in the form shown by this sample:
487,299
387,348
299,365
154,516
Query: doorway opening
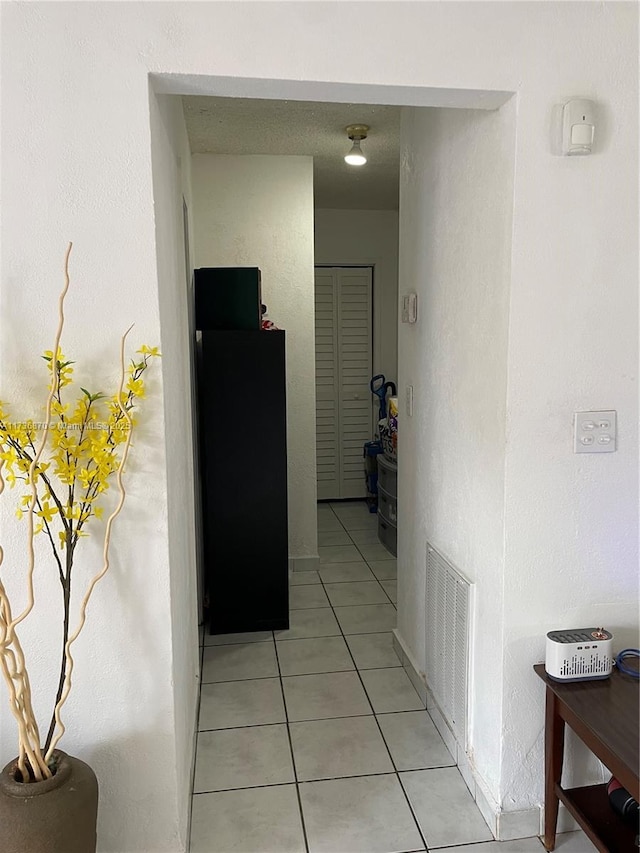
330,584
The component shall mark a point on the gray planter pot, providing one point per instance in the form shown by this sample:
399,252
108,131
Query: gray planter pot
58,815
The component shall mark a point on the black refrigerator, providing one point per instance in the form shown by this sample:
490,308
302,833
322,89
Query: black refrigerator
243,469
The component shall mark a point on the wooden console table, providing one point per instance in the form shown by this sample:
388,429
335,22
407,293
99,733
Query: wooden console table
604,715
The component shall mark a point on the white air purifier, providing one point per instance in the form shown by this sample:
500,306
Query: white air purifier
579,654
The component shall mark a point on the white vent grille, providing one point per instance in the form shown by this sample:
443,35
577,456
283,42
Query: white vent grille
447,621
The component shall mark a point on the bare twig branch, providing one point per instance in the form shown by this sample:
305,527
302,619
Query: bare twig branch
36,458
105,553
15,675
12,661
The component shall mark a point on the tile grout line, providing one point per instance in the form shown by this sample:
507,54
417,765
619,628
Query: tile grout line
355,605
240,680
280,677
305,782
197,733
375,717
323,720
245,788
370,569
353,542
376,577
293,758
329,566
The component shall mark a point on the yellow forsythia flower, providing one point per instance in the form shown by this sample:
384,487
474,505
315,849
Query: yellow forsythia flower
47,512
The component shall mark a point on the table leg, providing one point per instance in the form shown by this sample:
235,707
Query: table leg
553,755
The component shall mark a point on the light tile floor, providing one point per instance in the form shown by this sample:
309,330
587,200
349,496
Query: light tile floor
313,740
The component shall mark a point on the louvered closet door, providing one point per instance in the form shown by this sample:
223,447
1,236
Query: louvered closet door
354,375
343,371
327,426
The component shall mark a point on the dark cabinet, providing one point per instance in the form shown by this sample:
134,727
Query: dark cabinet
228,298
243,458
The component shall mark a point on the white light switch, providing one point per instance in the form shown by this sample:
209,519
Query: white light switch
409,400
409,308
594,432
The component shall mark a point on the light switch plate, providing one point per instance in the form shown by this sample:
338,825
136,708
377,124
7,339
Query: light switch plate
409,312
409,400
595,432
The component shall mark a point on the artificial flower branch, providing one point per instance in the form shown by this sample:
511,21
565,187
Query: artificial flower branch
105,566
84,455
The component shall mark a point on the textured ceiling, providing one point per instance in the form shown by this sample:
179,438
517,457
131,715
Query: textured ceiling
248,126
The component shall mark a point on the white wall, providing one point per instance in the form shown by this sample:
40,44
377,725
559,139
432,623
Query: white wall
571,526
82,171
550,538
76,163
171,162
257,211
452,457
367,237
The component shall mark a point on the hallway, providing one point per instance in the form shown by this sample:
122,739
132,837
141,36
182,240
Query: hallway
315,739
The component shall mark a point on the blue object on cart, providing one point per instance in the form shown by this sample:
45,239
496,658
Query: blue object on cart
379,387
372,449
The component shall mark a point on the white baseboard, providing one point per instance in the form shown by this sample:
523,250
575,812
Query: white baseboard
416,677
304,564
410,667
505,826
519,824
528,822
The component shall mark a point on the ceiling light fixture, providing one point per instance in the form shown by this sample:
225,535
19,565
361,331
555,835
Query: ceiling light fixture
356,132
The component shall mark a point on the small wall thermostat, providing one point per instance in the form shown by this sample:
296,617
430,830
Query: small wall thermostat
578,126
579,654
409,307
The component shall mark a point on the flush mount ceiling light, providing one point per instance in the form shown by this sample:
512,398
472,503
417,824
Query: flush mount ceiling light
356,132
